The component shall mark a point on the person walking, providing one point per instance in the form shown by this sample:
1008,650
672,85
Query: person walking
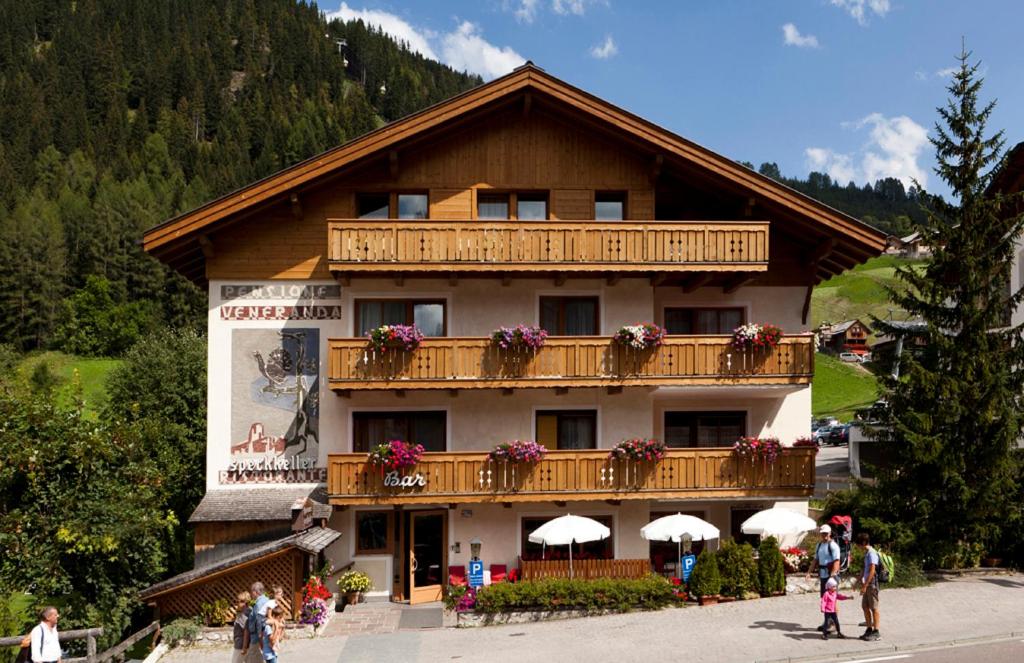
826,561
240,627
254,624
45,639
869,588
830,607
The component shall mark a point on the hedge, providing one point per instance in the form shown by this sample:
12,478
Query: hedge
615,594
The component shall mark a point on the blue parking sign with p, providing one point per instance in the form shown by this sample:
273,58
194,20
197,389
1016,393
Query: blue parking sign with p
476,573
686,564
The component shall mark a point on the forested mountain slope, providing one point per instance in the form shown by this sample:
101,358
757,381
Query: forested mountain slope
115,114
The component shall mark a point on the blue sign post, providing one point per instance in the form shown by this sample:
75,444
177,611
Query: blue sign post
686,564
476,573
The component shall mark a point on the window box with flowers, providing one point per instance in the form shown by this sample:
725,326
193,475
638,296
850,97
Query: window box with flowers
754,336
641,336
395,337
510,456
395,456
520,338
634,456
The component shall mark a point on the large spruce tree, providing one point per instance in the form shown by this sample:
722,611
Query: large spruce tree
953,417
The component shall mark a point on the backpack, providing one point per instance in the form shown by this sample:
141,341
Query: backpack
888,567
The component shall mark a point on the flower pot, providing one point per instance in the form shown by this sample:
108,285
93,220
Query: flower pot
708,600
726,599
351,598
991,562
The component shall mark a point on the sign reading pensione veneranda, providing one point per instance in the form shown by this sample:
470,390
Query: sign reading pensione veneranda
267,341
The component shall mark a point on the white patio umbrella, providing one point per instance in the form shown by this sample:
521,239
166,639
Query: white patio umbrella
777,522
567,529
676,528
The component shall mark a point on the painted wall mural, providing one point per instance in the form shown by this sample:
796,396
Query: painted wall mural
275,406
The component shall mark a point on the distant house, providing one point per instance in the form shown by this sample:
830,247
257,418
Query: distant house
848,336
913,246
906,335
893,245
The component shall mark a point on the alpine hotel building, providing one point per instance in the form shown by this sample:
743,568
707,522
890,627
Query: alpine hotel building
522,201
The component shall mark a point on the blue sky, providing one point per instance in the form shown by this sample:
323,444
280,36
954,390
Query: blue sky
847,87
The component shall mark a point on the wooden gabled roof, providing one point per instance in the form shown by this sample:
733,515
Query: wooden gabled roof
181,239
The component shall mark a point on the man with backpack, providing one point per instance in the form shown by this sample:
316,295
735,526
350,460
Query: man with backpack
253,651
869,580
826,560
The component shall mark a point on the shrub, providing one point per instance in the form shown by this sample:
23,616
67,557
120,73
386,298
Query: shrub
705,579
181,631
453,594
615,594
770,574
99,320
215,613
737,568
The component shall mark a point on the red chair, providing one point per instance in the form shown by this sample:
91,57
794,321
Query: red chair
456,575
513,575
499,573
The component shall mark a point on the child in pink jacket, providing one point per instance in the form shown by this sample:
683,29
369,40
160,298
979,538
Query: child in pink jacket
830,606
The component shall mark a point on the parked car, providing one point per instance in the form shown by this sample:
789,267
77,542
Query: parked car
839,434
850,357
821,434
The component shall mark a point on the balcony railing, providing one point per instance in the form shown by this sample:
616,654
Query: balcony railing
384,245
570,475
566,361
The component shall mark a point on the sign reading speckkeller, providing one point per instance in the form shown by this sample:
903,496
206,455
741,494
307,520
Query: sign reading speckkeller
275,335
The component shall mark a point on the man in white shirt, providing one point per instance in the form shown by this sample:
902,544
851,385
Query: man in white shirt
45,639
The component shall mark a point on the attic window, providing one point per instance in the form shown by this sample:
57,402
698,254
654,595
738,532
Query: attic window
609,206
373,205
492,206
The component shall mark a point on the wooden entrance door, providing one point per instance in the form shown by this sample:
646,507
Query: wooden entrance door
428,558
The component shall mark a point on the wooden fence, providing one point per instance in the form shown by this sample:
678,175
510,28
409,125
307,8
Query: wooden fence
115,653
367,245
586,569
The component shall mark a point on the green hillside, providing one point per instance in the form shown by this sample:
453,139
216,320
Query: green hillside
860,292
840,389
67,374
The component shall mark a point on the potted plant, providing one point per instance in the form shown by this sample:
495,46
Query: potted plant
518,451
770,573
353,584
751,448
754,336
519,338
395,337
705,582
395,455
638,449
641,336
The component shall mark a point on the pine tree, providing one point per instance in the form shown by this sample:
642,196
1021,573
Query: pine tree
953,415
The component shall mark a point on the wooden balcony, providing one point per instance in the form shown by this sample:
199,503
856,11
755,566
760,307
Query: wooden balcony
572,476
378,246
566,361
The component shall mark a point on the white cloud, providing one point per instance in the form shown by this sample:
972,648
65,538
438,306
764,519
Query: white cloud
947,72
895,144
464,48
577,7
792,37
527,11
604,50
858,9
396,26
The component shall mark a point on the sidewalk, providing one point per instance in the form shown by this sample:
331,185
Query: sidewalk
762,630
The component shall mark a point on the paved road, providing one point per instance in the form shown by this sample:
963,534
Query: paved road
831,461
762,630
1007,651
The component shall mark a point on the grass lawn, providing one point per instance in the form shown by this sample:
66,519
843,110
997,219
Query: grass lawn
92,373
840,388
860,292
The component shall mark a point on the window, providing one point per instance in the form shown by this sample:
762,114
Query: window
569,316
532,207
413,206
609,206
373,532
373,205
702,320
372,428
492,205
572,429
593,550
428,315
704,429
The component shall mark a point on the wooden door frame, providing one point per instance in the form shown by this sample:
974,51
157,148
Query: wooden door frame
411,515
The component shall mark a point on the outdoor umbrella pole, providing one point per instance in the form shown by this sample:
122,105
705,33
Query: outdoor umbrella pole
570,559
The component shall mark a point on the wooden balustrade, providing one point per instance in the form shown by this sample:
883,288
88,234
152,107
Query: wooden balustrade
386,245
584,361
570,475
585,569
